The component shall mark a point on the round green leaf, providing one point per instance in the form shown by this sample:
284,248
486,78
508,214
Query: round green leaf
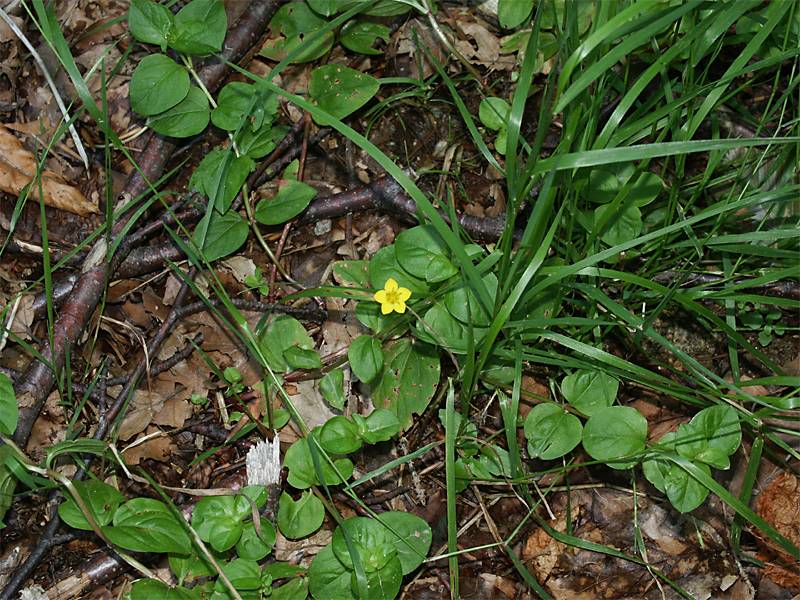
157,84
100,498
645,189
614,433
220,176
720,427
589,391
236,103
301,518
339,435
374,543
622,225
302,358
150,22
281,333
331,386
551,431
303,474
493,113
340,90
380,425
462,303
218,520
200,27
409,379
382,584
328,578
512,13
296,589
9,411
438,327
684,491
412,538
293,24
187,118
292,198
366,357
384,265
360,36
225,235
244,574
421,252
253,547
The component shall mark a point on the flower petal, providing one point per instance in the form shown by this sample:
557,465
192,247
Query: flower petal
400,307
380,296
391,285
404,294
386,308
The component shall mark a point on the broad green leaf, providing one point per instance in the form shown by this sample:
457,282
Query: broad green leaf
253,547
464,306
621,225
148,589
339,435
684,491
409,379
218,519
329,578
262,141
326,7
375,544
190,566
366,357
360,36
296,589
340,90
551,431
301,518
281,333
589,391
225,235
380,425
438,327
220,176
412,537
720,426
292,198
388,8
384,265
9,411
352,273
236,103
150,22
302,358
331,386
421,252
100,498
7,484
494,112
200,27
302,473
512,13
244,575
157,84
292,24
147,525
383,583
614,433
187,118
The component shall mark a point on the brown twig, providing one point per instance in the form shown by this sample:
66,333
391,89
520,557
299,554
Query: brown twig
386,194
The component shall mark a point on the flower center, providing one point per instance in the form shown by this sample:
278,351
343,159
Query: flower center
393,296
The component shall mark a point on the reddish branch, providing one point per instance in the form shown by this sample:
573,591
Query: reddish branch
82,301
386,194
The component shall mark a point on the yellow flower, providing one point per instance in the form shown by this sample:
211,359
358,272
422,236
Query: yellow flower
392,297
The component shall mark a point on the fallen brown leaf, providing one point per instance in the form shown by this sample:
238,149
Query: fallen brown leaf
17,169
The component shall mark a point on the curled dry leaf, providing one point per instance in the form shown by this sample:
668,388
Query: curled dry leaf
779,505
17,169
